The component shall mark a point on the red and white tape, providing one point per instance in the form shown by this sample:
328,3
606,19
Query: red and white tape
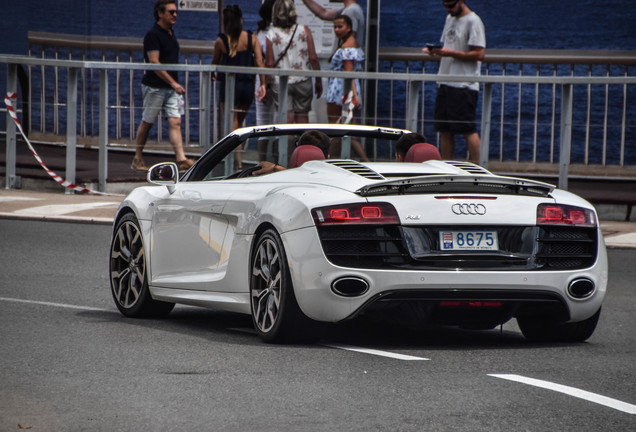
347,101
8,101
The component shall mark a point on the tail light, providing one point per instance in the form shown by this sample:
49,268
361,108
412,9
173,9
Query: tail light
362,213
558,214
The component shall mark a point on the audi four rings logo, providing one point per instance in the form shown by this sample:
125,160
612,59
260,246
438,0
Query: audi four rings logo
469,209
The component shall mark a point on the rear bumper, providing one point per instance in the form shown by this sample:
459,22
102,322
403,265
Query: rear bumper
313,275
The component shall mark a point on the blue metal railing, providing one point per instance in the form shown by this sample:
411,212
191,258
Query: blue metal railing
534,104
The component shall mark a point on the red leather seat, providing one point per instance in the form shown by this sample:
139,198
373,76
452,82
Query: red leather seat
422,152
304,153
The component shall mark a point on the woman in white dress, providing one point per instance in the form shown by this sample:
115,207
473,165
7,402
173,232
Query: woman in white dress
347,57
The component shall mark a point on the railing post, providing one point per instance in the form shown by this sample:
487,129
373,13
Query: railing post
103,130
12,181
369,98
345,142
345,147
228,117
215,111
71,127
411,115
282,118
228,112
486,111
565,135
204,109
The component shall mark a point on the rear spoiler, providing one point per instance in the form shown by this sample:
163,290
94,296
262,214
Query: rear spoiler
486,184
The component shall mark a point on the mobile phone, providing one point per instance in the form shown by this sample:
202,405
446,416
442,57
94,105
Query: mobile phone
434,45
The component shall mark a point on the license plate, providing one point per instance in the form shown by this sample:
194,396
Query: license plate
468,240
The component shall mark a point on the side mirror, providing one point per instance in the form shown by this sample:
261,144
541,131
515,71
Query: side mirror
165,173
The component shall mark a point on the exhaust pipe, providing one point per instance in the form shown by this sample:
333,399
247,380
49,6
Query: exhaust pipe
349,286
581,288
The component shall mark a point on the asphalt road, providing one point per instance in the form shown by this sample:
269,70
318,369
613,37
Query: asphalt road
70,362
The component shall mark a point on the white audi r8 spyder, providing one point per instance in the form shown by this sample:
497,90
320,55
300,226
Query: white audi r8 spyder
434,242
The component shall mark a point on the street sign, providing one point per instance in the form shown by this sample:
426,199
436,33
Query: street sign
199,5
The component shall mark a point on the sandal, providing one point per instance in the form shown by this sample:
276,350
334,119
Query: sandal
185,164
138,165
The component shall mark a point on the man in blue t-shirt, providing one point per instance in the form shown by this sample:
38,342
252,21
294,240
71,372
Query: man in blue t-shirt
161,89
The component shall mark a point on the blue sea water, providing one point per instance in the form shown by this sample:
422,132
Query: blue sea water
539,24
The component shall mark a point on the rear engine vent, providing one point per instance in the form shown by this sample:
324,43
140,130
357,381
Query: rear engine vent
356,168
469,167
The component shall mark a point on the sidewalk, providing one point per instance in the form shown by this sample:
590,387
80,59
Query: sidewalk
59,206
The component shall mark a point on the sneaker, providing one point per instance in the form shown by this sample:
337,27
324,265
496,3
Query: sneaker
138,165
185,164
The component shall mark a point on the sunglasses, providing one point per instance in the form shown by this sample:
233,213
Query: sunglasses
172,11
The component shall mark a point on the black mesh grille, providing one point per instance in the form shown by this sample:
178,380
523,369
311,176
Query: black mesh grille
418,247
566,247
363,246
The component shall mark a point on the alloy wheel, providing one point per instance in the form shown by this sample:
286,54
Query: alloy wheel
127,265
267,274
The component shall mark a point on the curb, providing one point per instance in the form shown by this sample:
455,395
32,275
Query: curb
98,209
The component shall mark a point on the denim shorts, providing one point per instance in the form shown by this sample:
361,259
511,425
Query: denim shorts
158,99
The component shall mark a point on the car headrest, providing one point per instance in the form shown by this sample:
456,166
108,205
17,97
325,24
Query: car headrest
304,153
422,152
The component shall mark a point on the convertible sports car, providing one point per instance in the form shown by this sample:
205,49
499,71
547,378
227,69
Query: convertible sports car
433,242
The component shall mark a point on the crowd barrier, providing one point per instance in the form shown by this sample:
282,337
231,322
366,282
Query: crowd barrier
534,107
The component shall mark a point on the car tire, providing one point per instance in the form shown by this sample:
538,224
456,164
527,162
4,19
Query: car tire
275,312
128,275
542,330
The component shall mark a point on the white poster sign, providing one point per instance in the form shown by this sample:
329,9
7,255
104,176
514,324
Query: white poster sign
321,30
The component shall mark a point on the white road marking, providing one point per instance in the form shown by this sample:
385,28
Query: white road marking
62,209
375,352
10,198
352,348
572,391
59,305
